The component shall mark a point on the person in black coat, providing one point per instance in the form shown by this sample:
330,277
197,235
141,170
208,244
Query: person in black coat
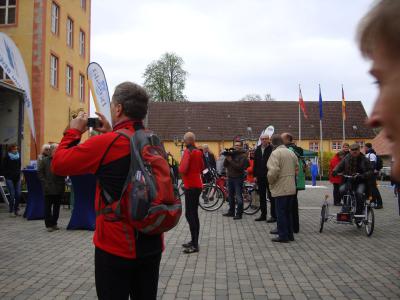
261,156
209,158
209,163
12,173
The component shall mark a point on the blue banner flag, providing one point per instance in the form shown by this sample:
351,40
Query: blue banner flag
321,114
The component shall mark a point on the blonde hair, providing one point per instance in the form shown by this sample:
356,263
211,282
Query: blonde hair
381,25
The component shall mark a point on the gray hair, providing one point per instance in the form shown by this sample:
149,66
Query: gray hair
133,98
276,140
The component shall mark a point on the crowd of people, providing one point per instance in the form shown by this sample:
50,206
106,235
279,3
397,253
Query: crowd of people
126,259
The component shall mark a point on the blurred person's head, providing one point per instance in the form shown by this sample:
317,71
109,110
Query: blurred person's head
238,145
379,40
346,147
129,102
45,149
189,138
205,148
355,150
265,140
367,146
277,140
13,149
287,138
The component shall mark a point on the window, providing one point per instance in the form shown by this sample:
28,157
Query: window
314,146
54,71
7,12
336,146
81,43
83,4
3,75
68,78
55,17
70,32
81,88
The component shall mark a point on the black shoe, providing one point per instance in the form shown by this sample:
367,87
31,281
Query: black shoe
261,218
296,231
279,240
191,250
271,220
291,239
274,231
187,245
237,217
228,214
378,207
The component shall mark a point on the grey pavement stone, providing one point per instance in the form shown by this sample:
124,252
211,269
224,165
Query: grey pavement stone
237,260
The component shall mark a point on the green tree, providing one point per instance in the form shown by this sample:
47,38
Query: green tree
164,79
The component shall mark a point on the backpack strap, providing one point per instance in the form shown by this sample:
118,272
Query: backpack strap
106,195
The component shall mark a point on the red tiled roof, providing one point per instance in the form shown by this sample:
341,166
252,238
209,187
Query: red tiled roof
215,121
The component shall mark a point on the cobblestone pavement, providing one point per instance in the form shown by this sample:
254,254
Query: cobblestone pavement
237,259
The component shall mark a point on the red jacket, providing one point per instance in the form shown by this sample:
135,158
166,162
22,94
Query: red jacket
250,172
332,165
191,166
118,238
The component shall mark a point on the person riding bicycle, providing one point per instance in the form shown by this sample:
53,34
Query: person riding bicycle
355,164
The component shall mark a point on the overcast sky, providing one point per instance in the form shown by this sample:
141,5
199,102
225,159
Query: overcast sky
236,47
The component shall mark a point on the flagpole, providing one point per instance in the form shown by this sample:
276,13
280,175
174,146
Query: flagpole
320,132
321,149
343,116
299,122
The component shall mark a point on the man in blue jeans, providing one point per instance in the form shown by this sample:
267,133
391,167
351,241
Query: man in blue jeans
282,168
236,163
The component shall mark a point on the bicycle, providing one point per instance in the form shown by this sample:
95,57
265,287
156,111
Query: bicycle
348,213
215,194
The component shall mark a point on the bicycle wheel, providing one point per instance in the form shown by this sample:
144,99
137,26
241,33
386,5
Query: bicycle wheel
322,218
211,197
251,203
369,221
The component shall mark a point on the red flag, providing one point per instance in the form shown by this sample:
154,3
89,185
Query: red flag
343,106
302,105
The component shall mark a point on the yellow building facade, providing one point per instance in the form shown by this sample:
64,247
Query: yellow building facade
54,40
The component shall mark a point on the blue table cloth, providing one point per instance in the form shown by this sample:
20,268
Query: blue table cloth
83,214
35,201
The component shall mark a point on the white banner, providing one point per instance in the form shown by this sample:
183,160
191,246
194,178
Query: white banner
268,131
98,87
13,65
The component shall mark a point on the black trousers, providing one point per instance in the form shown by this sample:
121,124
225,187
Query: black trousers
263,191
52,209
336,194
295,214
117,278
376,195
192,213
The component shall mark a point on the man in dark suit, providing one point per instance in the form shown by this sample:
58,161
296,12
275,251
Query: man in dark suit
209,158
260,170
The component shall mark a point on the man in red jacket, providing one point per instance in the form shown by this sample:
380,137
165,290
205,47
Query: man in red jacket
126,261
191,166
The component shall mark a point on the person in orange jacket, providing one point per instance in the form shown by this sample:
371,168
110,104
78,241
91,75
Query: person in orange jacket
249,170
190,168
336,180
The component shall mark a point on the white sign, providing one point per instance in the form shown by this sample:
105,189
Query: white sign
268,131
13,65
98,87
